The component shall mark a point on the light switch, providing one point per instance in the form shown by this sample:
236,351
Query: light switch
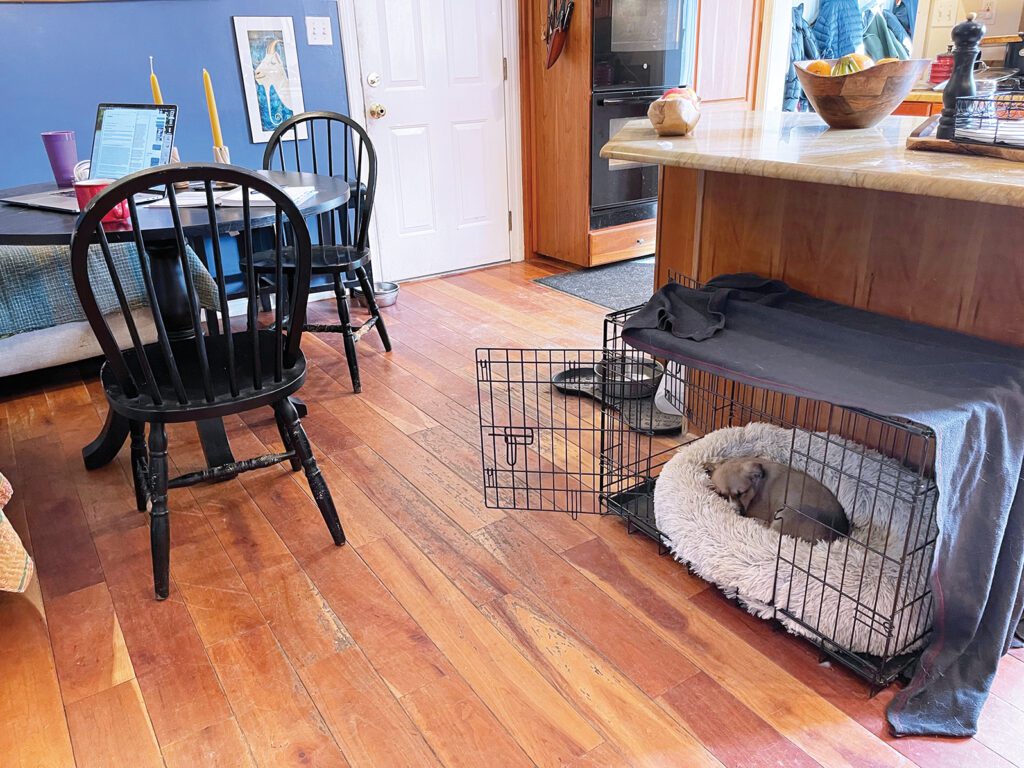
987,13
944,13
318,30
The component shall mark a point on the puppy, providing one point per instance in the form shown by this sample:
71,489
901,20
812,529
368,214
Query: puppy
758,487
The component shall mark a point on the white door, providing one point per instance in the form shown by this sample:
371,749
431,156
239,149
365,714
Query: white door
436,69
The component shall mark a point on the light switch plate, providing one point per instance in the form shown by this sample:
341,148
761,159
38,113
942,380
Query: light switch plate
944,13
318,30
987,12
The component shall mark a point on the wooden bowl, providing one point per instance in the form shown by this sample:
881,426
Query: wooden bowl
861,99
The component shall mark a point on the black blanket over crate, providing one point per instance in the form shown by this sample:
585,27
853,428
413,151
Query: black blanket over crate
969,391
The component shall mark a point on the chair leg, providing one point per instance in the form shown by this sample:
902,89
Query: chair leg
139,460
159,523
371,303
321,493
282,430
349,336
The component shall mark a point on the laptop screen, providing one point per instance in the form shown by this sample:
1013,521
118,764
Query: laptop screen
131,137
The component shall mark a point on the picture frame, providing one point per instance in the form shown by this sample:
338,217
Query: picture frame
271,81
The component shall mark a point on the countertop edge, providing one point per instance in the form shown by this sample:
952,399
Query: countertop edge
989,192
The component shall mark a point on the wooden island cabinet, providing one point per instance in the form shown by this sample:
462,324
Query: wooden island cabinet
851,216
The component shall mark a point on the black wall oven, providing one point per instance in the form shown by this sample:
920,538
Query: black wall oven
620,191
643,43
641,48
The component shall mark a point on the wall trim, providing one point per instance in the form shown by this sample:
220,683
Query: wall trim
514,128
357,109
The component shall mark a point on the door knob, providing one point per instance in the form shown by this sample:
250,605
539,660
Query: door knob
377,111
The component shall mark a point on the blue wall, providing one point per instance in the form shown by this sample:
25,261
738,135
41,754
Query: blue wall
64,59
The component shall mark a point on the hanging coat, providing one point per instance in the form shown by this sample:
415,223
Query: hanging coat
906,12
839,28
802,47
883,36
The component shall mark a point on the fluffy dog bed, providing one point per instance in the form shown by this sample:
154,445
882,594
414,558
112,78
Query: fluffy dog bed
739,554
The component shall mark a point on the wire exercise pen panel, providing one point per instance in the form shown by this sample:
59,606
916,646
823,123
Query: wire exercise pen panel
552,427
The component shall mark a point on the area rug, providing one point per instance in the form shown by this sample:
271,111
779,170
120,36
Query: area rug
615,286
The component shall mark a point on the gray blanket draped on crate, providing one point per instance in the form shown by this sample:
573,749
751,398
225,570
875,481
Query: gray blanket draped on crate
37,291
970,392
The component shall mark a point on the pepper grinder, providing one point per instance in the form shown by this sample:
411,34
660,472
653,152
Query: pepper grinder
966,36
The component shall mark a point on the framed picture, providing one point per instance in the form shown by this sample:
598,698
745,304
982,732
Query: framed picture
270,73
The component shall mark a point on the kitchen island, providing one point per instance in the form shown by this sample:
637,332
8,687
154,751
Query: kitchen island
852,216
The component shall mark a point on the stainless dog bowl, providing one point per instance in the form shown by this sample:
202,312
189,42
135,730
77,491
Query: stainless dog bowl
627,378
385,293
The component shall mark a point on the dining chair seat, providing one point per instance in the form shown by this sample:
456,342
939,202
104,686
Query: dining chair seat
326,259
253,391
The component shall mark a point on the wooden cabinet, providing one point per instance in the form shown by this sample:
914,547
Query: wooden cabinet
556,109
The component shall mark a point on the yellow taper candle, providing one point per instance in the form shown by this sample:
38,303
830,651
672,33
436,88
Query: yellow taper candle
211,105
158,98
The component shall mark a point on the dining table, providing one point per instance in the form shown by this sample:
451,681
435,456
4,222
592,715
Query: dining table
20,225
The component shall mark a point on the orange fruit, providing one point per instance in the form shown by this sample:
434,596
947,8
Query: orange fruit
819,67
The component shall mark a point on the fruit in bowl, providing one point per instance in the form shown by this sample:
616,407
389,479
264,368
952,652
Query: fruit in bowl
676,113
854,62
858,93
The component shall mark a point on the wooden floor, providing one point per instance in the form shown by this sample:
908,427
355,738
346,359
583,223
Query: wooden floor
444,633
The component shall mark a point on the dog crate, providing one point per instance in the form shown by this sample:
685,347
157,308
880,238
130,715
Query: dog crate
589,431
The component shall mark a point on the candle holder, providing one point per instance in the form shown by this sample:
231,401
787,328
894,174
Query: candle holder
222,155
176,159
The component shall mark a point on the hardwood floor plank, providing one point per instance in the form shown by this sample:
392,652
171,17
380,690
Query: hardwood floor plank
733,733
646,658
459,500
454,551
216,746
620,710
113,728
542,722
183,700
34,730
462,732
89,649
1009,681
272,707
1001,729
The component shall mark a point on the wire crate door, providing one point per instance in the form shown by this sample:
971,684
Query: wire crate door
541,429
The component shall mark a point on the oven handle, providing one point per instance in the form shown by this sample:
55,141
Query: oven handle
638,100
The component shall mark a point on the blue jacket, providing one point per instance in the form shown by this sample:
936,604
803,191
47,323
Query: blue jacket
801,48
839,28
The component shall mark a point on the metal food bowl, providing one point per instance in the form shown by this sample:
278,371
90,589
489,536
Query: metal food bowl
627,378
385,293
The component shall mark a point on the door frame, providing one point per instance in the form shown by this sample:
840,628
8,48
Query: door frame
513,115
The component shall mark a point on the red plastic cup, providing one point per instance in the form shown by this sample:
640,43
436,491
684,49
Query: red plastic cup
88,189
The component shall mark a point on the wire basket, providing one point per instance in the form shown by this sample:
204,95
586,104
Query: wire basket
996,119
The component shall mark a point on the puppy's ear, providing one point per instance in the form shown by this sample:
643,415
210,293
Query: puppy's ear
754,470
709,468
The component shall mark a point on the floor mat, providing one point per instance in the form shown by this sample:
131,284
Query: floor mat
616,286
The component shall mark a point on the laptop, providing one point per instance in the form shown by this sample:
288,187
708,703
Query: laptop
127,138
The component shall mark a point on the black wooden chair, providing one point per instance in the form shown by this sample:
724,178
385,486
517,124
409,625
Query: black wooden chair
194,373
337,146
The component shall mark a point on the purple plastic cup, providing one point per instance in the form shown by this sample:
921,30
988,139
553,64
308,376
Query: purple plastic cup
63,154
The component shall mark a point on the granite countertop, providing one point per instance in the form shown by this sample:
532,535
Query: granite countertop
800,147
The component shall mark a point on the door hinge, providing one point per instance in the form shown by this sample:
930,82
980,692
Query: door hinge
504,67
510,221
